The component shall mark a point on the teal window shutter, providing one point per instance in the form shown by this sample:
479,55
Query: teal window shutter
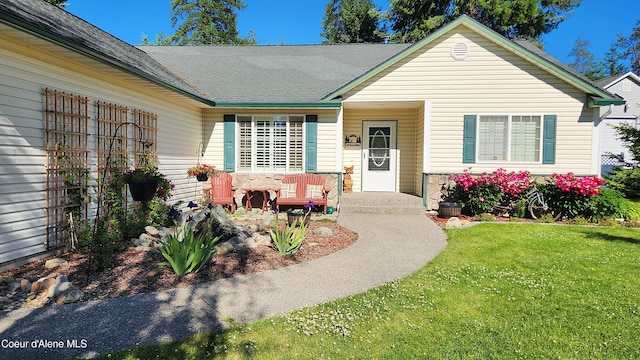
311,146
469,140
549,140
229,142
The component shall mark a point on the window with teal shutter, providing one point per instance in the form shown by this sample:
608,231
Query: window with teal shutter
469,140
311,145
549,140
229,142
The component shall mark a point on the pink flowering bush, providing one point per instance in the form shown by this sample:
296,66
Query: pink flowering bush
571,195
481,193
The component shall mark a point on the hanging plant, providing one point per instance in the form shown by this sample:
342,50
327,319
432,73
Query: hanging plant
202,172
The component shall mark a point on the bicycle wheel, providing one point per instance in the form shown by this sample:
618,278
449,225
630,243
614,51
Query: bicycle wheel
538,210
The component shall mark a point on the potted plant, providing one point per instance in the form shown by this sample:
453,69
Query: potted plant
448,209
202,172
144,184
300,216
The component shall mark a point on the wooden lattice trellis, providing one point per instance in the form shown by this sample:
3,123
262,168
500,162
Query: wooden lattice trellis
66,143
148,126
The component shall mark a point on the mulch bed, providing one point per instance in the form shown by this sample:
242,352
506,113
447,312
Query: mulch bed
137,272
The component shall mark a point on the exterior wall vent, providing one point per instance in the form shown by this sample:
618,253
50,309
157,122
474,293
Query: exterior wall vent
459,51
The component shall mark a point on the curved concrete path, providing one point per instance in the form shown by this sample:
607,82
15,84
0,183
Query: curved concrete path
389,247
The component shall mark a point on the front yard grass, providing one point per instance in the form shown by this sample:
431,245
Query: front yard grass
497,291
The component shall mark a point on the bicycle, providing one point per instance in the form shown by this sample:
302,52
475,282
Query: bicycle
538,206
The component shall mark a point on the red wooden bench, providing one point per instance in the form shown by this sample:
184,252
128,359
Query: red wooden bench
308,187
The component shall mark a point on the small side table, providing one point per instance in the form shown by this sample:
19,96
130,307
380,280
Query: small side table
251,192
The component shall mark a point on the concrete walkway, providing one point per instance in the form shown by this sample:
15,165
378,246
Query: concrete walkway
389,247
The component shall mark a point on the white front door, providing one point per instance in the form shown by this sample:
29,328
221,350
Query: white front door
379,155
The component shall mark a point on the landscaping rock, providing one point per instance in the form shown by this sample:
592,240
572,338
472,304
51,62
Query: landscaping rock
141,242
147,237
25,285
263,240
152,231
251,243
69,297
59,288
324,231
14,286
54,263
147,248
224,248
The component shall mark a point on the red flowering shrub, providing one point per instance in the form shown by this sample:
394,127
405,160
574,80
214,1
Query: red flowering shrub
571,195
481,193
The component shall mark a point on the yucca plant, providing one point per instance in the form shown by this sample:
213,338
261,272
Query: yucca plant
187,251
289,239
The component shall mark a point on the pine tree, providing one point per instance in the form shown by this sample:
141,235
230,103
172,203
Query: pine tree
412,20
206,22
352,21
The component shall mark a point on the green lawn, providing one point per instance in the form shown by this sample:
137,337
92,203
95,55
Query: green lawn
497,291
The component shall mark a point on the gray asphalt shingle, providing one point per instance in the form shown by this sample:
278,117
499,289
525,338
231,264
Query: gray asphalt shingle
272,74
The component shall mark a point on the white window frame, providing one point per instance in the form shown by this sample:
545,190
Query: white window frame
274,117
509,138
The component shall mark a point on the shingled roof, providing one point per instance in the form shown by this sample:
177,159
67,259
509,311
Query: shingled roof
59,26
272,74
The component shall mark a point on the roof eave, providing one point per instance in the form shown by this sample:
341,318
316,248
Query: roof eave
595,101
19,24
297,105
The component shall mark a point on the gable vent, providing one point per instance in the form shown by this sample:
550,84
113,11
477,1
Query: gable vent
459,51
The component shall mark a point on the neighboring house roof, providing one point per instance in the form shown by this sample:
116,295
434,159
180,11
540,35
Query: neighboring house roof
42,19
597,95
608,82
294,75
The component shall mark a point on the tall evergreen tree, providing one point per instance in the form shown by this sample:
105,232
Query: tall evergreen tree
614,59
414,19
634,48
584,62
352,21
58,3
206,22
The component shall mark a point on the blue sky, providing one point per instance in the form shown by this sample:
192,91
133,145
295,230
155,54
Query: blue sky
299,21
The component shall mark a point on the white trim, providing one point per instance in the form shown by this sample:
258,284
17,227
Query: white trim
617,79
339,137
596,168
254,168
426,140
508,145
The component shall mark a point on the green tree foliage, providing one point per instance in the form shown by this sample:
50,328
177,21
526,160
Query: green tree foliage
58,3
633,46
615,57
352,21
412,20
584,62
200,22
627,180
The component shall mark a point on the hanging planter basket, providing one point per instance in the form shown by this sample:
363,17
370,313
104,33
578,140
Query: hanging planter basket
298,218
143,191
202,177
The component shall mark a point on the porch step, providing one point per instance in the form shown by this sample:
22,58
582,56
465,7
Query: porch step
381,203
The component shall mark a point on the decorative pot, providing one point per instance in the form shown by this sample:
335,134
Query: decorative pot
298,218
449,209
143,191
202,177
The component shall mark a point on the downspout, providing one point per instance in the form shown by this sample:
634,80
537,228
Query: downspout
599,154
607,113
